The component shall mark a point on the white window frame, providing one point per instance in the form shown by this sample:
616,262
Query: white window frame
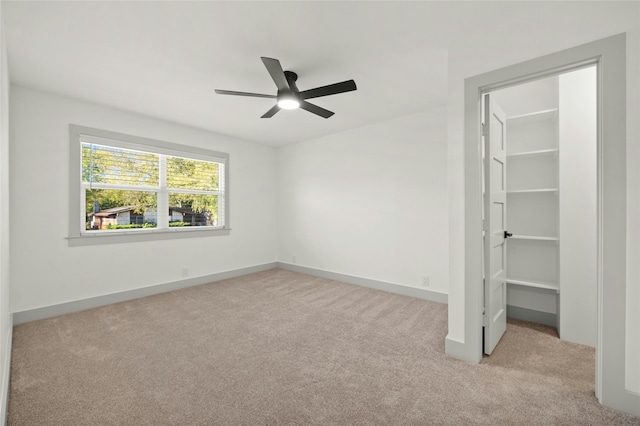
77,233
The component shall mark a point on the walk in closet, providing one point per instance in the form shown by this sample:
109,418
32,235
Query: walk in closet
551,204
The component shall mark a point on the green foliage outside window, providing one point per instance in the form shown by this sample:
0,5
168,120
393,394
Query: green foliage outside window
103,164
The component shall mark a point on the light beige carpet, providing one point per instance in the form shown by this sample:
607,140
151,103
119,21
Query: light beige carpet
282,348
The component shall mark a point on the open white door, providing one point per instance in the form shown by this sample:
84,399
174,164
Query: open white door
495,225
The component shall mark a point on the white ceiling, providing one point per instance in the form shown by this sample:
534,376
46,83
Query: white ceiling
164,59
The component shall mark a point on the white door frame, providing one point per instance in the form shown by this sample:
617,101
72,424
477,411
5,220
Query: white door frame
610,56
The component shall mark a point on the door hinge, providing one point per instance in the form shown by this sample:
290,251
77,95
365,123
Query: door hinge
485,225
484,130
485,321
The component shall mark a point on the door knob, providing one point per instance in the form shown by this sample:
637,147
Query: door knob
507,234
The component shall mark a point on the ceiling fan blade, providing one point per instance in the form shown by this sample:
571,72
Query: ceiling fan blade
331,89
276,72
253,95
325,113
271,112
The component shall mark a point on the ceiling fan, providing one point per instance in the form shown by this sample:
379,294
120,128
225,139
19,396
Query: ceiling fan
289,96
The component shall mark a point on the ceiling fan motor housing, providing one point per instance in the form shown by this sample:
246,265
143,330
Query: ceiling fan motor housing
292,77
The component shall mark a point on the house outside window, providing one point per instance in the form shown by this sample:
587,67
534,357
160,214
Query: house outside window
130,185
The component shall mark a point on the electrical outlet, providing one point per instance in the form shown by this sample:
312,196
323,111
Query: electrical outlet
425,280
185,272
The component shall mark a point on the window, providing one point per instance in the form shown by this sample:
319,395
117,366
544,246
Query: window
128,185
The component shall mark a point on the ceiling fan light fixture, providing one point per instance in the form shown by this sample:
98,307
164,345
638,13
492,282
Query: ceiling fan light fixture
288,101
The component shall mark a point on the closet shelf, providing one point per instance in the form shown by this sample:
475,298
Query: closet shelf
534,154
532,191
547,285
546,114
533,237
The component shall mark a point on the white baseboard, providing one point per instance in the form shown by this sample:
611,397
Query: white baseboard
531,315
6,375
420,293
108,299
457,349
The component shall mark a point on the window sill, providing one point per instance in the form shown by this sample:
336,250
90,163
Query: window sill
119,237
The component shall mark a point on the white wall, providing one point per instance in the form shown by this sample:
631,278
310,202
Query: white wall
369,202
632,337
577,99
633,210
5,316
46,271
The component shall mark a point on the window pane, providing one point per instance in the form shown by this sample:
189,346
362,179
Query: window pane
193,210
184,173
118,166
116,209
